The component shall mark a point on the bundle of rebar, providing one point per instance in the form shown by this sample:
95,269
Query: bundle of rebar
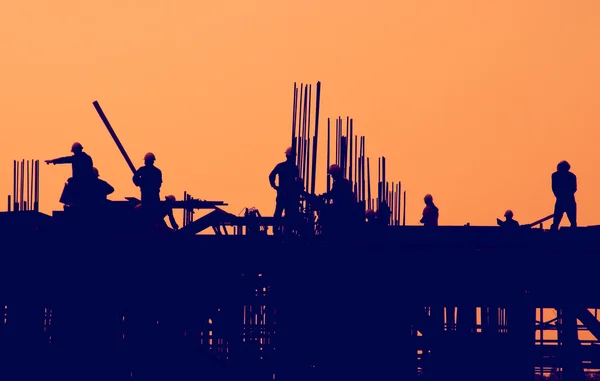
26,186
350,155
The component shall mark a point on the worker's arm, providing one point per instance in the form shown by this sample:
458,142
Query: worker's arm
574,184
136,178
272,177
108,188
61,160
555,189
172,220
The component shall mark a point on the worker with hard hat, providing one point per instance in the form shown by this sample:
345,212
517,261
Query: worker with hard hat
149,179
510,222
167,211
341,190
431,213
288,192
81,162
564,187
82,174
101,189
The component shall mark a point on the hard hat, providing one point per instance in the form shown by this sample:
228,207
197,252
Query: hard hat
149,156
96,173
508,213
334,168
428,197
289,151
563,165
170,198
76,147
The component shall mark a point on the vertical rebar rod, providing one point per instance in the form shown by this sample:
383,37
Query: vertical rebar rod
404,212
369,183
14,185
294,115
350,167
21,196
316,139
328,153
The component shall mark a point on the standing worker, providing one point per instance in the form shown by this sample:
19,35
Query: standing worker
149,179
564,186
431,213
288,198
82,174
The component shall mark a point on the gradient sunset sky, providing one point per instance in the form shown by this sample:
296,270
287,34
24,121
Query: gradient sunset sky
472,101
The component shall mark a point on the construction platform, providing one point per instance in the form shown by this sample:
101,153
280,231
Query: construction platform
406,303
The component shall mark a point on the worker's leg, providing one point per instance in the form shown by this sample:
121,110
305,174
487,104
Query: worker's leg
558,214
572,214
277,217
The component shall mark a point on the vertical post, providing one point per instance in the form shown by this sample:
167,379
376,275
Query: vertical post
299,136
15,177
21,196
356,159
294,115
27,189
328,153
9,202
37,186
351,155
185,211
369,184
404,212
362,168
316,139
347,166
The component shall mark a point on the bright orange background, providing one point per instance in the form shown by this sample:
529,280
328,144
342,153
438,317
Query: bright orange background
473,101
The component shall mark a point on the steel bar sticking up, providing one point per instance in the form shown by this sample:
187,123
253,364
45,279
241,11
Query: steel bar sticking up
303,119
348,150
26,186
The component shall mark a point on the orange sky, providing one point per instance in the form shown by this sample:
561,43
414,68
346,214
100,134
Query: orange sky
472,101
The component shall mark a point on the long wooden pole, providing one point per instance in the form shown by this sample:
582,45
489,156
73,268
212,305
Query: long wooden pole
114,136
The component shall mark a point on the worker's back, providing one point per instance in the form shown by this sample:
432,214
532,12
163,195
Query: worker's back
82,165
341,191
149,179
564,185
287,173
430,215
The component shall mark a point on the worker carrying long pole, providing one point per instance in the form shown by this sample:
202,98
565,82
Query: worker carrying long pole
149,179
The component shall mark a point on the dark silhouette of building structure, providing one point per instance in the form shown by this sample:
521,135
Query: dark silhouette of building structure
107,300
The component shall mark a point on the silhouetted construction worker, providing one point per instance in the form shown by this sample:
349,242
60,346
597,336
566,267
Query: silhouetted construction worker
288,197
167,211
341,190
339,217
149,179
564,186
510,222
100,188
82,174
431,212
